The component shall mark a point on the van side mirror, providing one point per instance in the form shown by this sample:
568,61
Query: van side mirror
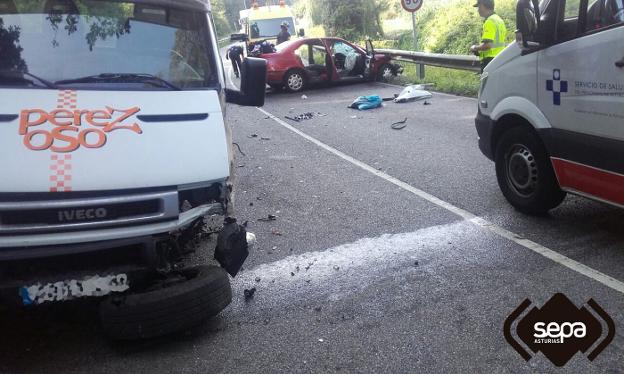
253,84
527,23
301,33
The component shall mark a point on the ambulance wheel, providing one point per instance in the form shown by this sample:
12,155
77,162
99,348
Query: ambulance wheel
181,301
524,172
294,81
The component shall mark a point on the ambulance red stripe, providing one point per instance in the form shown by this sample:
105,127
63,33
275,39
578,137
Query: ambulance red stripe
602,184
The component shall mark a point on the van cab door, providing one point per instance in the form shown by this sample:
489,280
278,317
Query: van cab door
581,92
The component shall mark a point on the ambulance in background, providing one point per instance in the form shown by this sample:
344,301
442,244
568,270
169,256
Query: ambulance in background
263,22
551,107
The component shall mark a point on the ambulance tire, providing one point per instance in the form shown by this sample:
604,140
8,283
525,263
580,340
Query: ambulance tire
524,172
202,292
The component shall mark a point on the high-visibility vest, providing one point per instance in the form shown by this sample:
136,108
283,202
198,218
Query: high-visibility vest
495,32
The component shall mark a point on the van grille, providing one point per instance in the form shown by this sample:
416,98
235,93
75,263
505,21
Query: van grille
86,213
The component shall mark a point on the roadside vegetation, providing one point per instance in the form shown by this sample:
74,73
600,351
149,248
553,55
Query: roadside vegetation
443,26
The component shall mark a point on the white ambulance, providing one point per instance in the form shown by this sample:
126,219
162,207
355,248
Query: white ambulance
551,107
115,160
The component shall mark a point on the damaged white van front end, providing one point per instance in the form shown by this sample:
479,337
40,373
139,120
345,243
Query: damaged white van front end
116,159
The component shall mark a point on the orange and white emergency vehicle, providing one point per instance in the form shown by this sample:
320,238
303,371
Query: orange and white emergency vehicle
115,159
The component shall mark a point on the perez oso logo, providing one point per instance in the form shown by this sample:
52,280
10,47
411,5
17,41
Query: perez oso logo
82,214
70,130
559,329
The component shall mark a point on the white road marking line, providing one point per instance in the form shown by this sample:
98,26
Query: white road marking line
526,243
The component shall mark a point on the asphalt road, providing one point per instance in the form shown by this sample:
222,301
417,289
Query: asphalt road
392,251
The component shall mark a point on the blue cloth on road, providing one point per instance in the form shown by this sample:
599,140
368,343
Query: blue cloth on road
366,102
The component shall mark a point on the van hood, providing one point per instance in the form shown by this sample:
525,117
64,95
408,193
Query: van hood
108,140
508,54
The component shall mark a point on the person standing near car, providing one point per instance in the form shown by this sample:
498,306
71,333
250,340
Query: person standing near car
234,54
493,36
283,35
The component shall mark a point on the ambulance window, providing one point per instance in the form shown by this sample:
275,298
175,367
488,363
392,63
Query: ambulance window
572,8
605,13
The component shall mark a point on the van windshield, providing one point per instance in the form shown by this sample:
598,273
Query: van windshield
269,28
104,45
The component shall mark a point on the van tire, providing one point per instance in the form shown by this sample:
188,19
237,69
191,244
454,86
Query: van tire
202,292
524,172
294,81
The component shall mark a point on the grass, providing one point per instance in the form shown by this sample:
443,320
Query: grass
458,82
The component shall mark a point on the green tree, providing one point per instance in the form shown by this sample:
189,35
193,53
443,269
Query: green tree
350,20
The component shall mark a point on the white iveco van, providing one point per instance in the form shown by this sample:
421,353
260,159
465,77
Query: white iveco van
551,107
115,159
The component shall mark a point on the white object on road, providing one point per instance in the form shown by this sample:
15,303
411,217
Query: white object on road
413,93
304,97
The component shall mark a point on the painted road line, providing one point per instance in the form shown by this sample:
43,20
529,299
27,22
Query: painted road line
500,231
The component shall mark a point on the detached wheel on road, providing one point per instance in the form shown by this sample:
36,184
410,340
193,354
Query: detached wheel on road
385,73
294,81
183,300
525,174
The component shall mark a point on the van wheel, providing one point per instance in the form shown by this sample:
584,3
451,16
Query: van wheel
183,300
525,174
385,73
294,81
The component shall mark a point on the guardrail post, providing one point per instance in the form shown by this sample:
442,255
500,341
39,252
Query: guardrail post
421,71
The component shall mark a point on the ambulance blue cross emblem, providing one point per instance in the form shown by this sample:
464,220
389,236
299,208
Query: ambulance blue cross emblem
557,86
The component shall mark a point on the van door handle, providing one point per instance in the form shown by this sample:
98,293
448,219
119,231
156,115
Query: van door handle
620,64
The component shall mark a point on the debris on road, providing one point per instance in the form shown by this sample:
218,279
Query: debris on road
258,280
353,117
321,340
253,136
239,149
265,138
415,263
268,218
276,232
249,294
366,102
302,117
304,97
413,93
318,309
336,267
399,125
426,103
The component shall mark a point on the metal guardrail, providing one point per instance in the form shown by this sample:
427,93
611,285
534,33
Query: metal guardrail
460,62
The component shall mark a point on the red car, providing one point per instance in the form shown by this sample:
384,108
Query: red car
300,62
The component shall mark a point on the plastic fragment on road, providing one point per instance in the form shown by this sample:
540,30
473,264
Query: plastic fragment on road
303,97
399,125
303,116
249,294
269,217
413,93
366,102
